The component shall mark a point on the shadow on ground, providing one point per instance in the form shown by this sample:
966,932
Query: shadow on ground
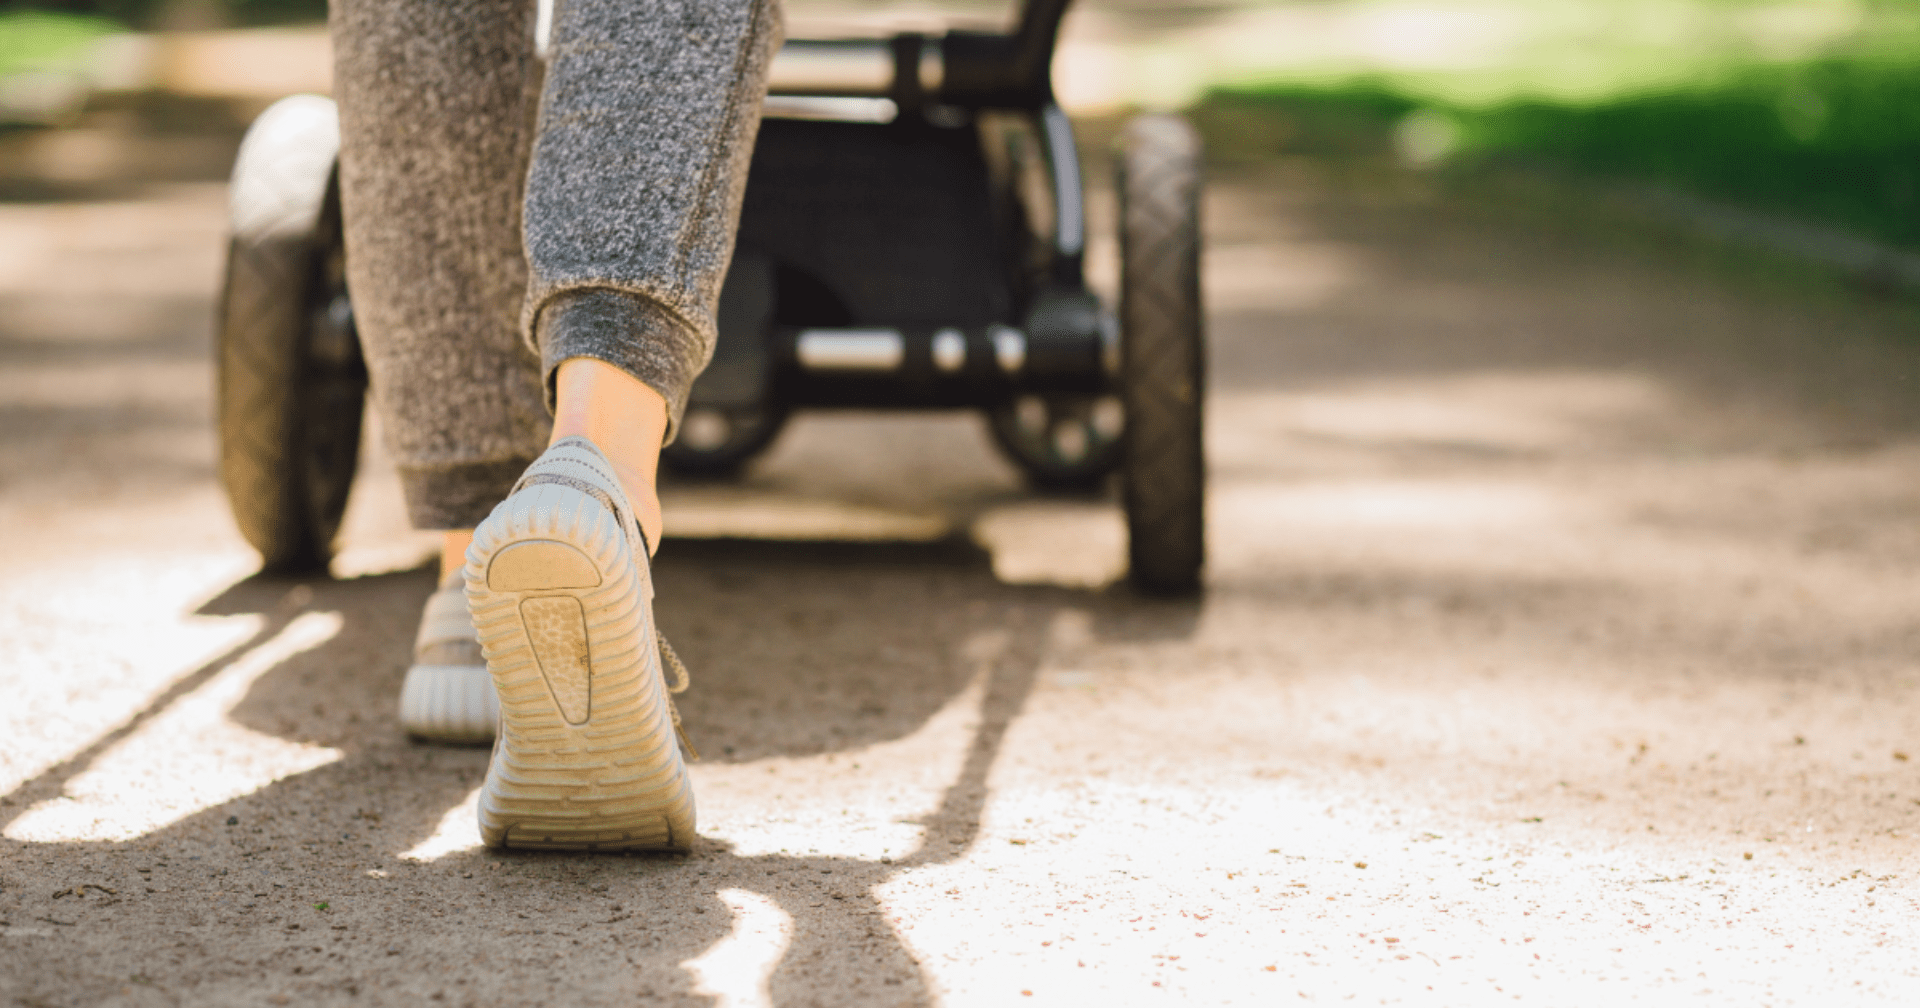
1371,421
798,649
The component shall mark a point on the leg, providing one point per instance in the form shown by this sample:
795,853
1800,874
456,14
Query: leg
646,125
599,297
627,419
436,103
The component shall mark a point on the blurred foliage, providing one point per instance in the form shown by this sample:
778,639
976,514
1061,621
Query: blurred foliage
31,38
151,14
275,12
1835,139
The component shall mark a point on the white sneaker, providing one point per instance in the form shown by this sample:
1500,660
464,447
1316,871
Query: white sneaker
562,598
448,695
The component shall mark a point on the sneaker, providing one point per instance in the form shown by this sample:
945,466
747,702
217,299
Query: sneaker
448,695
588,755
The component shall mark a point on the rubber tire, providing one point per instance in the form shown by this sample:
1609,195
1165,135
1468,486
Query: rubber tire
1163,353
291,381
1044,471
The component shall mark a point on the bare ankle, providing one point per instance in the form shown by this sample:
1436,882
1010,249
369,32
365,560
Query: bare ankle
645,498
623,417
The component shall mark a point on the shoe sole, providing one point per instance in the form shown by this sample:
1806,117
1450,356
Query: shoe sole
453,704
587,757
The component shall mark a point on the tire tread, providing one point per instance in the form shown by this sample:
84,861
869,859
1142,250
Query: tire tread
1163,362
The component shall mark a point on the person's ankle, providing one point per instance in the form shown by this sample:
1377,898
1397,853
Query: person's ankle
625,419
645,499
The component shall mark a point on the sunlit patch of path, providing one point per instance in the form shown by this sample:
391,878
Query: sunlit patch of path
190,757
864,804
871,813
736,970
459,830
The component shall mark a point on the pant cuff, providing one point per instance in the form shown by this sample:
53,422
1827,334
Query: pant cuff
457,496
627,331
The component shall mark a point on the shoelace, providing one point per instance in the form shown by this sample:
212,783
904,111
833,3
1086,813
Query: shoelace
678,682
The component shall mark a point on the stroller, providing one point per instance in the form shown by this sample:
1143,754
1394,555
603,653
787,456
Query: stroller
913,236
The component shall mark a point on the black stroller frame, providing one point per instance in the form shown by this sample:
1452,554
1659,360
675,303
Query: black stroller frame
913,235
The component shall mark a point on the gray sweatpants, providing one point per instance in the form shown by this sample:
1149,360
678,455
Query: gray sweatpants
500,221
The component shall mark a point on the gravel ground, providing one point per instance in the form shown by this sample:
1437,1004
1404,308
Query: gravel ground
1557,647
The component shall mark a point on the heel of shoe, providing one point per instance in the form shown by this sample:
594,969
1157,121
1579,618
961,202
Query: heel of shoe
587,758
453,704
539,565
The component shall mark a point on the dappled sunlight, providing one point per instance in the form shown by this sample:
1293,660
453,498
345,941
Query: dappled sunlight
1313,513
1423,37
1072,544
457,831
706,512
867,803
1220,882
72,680
1512,411
910,464
735,971
1387,418
1287,277
85,250
1558,635
189,757
1494,412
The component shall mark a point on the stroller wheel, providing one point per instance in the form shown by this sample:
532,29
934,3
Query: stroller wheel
291,379
1163,358
1064,443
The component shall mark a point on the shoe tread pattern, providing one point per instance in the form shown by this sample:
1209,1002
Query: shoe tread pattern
614,779
445,620
449,703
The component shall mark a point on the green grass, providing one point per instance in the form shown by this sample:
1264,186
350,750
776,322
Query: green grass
1836,139
33,38
146,15
1676,92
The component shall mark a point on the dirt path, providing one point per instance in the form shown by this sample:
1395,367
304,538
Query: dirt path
1558,646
